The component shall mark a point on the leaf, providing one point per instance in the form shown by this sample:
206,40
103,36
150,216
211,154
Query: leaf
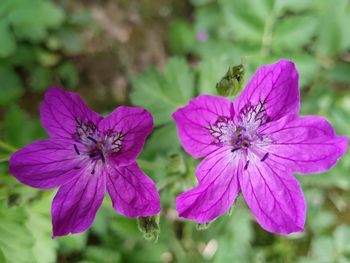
182,37
16,241
11,86
333,29
19,130
7,41
340,73
32,20
69,75
163,140
294,32
163,93
39,224
102,254
40,78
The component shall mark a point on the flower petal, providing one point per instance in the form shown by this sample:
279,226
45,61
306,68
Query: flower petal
304,144
194,119
277,86
76,203
274,196
60,111
46,164
217,189
135,124
132,192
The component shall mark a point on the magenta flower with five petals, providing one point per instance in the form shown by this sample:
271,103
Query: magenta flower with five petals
253,146
87,155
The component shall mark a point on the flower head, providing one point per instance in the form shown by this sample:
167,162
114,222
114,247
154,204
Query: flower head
253,146
87,155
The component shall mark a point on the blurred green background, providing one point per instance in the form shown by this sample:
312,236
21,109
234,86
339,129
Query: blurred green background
158,54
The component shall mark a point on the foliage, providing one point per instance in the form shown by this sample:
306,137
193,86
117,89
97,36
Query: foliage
38,39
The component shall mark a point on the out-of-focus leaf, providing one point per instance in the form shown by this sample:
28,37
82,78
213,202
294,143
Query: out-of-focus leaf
340,73
72,43
163,140
182,37
40,78
293,32
342,239
39,224
100,254
163,93
333,29
7,41
10,85
19,130
31,20
16,241
69,75
72,243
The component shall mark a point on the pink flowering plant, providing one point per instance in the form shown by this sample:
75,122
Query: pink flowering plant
253,146
86,156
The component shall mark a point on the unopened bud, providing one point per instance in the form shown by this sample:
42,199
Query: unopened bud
149,226
232,82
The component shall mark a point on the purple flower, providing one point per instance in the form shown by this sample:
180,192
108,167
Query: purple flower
202,36
86,156
253,146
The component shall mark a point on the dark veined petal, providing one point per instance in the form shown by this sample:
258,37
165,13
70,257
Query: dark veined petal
60,111
217,189
304,144
47,163
274,196
194,119
76,203
132,192
276,87
135,124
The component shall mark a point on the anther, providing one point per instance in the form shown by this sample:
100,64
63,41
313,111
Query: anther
265,157
76,149
91,139
246,165
235,149
102,158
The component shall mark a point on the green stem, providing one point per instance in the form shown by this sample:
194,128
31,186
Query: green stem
7,147
267,35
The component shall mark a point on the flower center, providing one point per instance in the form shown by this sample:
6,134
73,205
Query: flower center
241,133
99,146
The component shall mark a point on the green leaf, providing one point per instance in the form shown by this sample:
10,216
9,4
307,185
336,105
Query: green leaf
11,86
182,37
39,224
32,20
7,41
69,75
340,73
16,241
19,130
163,140
102,254
163,93
333,29
40,78
294,32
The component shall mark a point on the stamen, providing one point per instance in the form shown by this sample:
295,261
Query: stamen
246,165
93,171
76,149
235,149
102,158
91,139
265,157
